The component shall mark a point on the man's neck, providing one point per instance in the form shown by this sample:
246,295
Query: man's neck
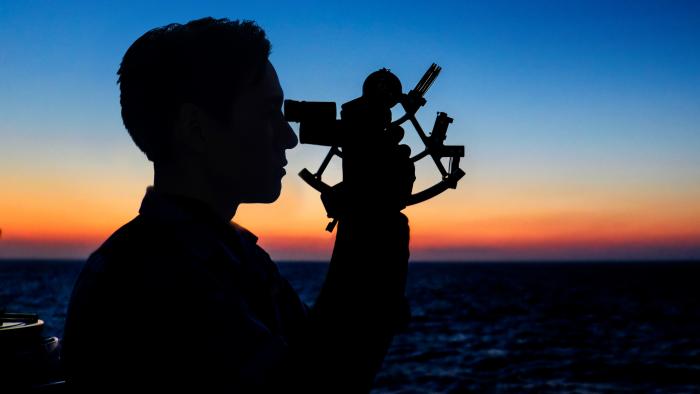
186,184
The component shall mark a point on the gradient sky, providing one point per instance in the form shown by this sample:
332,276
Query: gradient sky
581,121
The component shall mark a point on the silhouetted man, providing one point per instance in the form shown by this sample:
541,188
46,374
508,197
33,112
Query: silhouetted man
181,298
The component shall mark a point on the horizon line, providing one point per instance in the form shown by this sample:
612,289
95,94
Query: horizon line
425,261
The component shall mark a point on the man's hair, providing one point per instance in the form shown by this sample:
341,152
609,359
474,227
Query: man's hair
205,62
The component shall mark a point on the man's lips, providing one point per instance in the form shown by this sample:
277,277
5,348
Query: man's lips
284,163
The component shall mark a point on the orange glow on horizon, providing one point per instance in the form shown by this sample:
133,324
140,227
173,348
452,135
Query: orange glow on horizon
79,214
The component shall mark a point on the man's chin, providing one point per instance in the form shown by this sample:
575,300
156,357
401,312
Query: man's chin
267,197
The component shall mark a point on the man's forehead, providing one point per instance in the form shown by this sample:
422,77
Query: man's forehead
272,90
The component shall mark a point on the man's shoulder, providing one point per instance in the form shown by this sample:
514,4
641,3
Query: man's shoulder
136,235
139,240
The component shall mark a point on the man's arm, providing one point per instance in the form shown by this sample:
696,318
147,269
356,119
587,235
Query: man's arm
362,304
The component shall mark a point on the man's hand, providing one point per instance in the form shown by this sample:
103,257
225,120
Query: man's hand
372,243
378,177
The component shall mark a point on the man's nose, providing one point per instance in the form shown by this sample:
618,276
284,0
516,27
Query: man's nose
289,138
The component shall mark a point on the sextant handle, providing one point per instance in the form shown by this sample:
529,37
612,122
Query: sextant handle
449,182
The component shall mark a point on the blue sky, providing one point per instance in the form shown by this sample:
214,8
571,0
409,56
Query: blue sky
599,96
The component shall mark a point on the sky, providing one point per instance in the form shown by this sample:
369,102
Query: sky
581,121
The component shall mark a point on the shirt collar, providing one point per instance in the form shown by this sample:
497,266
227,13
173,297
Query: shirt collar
177,209
203,232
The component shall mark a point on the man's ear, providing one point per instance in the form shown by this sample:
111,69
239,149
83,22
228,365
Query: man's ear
189,128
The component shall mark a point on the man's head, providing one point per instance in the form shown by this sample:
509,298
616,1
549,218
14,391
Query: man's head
202,99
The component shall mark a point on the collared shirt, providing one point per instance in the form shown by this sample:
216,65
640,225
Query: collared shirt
174,285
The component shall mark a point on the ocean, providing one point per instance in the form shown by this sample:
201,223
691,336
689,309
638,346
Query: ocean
565,327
